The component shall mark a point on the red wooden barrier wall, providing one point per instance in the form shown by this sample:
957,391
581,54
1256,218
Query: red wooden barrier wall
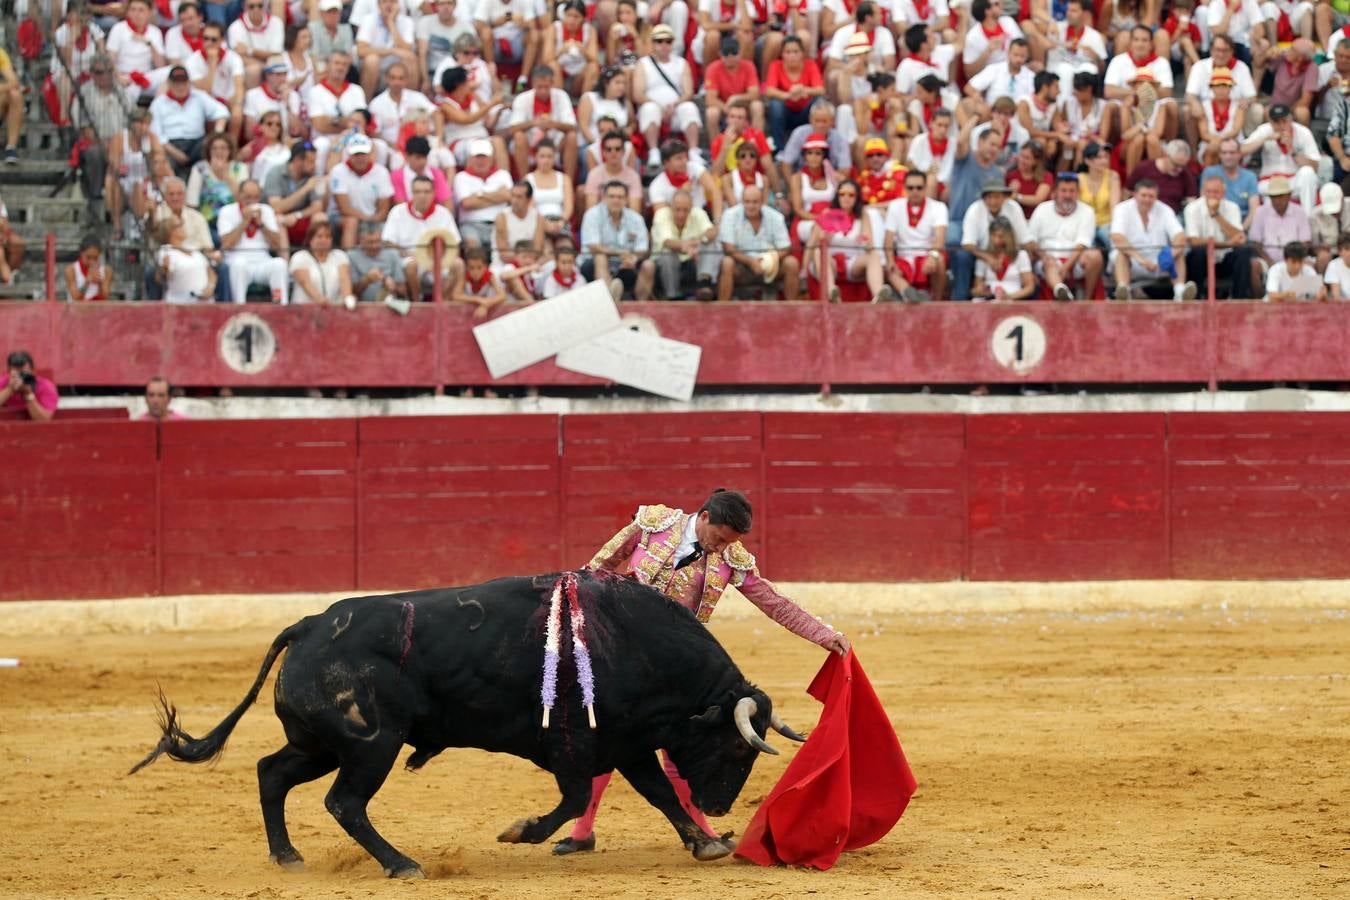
888,488
463,498
259,506
128,508
745,343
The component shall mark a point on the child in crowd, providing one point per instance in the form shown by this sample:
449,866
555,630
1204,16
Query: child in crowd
523,276
87,278
478,285
1293,278
564,277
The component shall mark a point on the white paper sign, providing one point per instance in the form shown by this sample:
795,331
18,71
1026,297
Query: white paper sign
538,331
648,362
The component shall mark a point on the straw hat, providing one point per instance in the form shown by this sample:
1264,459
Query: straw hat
1278,187
858,45
422,252
769,261
1222,75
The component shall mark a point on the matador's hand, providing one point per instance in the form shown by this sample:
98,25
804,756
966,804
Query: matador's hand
838,644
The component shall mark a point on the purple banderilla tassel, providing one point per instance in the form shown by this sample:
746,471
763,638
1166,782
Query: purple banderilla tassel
580,653
548,691
409,612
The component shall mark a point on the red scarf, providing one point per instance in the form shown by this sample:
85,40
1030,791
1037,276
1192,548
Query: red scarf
1346,31
183,101
1146,63
1221,115
360,172
922,10
813,175
267,20
423,216
545,105
336,92
85,274
927,112
1039,105
939,149
914,218
1002,268
477,286
251,229
82,41
569,282
268,91
193,43
997,32
754,179
144,28
850,7
878,117
1072,34
761,10
579,37
164,8
728,10
678,179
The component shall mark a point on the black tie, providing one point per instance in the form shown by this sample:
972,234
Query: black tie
690,556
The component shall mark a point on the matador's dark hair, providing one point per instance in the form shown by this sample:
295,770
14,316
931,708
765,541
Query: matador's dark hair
729,508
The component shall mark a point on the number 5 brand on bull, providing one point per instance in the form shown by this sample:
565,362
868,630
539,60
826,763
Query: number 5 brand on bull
691,559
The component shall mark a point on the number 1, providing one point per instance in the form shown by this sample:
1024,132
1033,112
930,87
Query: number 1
1016,336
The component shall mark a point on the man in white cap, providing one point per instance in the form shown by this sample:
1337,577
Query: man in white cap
1328,221
481,191
249,235
409,223
362,189
273,95
663,90
1288,150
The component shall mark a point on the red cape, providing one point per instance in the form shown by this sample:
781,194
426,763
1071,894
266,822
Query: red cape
847,786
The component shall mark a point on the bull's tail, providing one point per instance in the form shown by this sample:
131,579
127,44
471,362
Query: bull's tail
180,745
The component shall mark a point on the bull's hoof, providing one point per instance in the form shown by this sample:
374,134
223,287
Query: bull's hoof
412,872
515,833
711,850
290,860
568,846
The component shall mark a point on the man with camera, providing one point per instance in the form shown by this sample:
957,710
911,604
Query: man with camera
26,392
249,235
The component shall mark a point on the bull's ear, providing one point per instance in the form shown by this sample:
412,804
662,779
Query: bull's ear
708,717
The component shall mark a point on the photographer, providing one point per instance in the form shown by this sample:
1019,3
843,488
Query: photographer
27,391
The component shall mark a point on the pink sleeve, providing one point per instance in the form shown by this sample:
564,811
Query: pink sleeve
618,550
761,592
396,179
45,391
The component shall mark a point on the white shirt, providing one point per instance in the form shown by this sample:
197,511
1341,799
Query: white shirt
1062,235
488,10
1305,284
522,107
977,41
467,184
389,114
997,80
1121,71
373,31
1011,280
1274,160
272,38
325,276
1338,273
248,249
1090,39
323,103
1243,22
662,191
1147,240
914,240
257,102
920,156
687,540
548,286
176,49
187,276
403,228
363,192
883,43
904,11
657,90
911,69
975,225
231,66
1197,84
1200,224
133,52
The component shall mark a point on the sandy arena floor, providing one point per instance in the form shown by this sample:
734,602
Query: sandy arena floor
1159,753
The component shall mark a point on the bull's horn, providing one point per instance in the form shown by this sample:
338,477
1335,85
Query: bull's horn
745,709
785,729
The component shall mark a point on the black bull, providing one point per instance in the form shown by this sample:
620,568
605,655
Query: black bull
461,667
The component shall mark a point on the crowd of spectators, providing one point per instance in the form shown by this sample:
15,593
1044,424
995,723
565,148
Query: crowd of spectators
339,151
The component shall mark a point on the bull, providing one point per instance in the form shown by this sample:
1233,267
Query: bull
461,667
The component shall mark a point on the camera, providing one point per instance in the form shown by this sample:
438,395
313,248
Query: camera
29,379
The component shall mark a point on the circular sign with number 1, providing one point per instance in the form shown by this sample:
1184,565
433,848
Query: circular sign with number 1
1018,343
247,344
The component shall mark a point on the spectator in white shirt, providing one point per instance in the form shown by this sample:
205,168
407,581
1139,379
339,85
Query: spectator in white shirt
390,108
407,226
481,191
219,71
1149,242
1294,278
362,189
185,272
137,49
1009,78
1063,229
1287,149
543,112
383,39
322,273
1213,217
1337,277
249,235
989,36
933,153
256,36
183,39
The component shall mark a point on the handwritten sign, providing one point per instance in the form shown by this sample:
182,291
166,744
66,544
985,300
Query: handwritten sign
538,331
645,361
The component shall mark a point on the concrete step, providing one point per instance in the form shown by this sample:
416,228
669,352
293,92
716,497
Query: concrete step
34,171
42,140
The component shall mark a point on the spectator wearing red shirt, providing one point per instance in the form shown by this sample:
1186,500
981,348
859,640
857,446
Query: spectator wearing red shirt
731,80
26,393
1172,172
1028,178
738,131
792,84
